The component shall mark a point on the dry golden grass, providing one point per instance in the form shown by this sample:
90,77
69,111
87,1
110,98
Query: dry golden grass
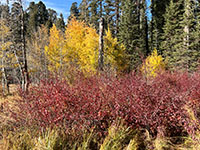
13,95
5,117
4,143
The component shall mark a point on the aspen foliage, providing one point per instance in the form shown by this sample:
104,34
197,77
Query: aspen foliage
77,47
114,52
153,65
55,51
81,44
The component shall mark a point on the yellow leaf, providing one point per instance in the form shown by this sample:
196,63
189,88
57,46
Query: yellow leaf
153,65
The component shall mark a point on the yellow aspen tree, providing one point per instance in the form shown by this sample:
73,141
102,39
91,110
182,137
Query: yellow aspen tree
81,44
79,48
153,64
55,51
114,52
74,37
88,59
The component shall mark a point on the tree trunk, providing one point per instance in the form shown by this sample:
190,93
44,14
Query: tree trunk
141,14
20,69
186,38
117,16
186,28
146,37
4,81
101,51
25,77
152,25
4,77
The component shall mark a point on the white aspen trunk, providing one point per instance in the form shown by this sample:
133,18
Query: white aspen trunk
3,75
141,14
117,16
186,30
101,51
20,69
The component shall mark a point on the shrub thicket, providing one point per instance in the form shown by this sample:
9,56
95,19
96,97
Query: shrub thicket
97,101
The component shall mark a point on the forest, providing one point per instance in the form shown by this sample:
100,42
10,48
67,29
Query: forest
114,75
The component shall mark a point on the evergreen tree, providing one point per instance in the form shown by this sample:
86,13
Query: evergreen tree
52,18
197,29
180,38
117,16
32,17
109,13
15,23
172,40
42,13
191,52
130,33
84,11
74,12
93,10
158,10
143,28
4,11
38,15
60,24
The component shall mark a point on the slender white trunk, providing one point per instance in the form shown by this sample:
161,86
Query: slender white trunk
101,51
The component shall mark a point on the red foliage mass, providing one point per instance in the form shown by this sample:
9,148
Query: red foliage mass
99,100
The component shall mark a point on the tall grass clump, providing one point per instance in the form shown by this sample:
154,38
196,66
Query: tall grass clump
119,136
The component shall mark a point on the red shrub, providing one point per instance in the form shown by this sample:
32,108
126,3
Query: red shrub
98,100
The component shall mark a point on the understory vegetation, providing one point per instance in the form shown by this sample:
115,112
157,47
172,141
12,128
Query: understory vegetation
105,112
